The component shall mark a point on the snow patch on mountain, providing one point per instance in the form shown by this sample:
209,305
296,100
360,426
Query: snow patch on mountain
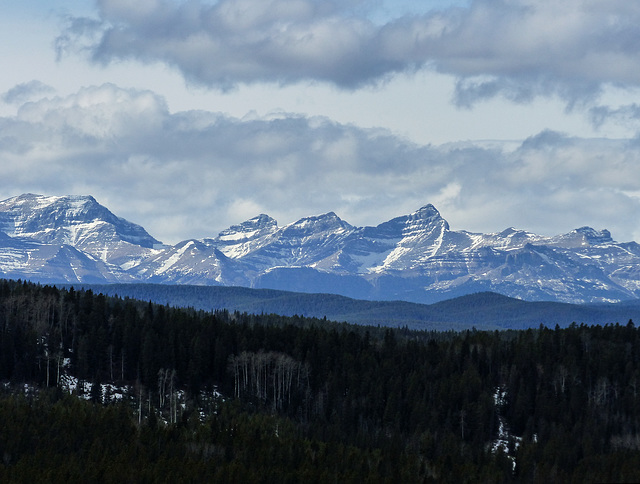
173,259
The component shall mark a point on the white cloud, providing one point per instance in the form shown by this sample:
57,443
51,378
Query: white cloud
521,49
193,173
25,91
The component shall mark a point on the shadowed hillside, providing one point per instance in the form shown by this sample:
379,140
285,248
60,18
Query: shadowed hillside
482,310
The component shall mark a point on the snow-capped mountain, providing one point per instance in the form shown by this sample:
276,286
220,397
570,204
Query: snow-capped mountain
70,238
414,257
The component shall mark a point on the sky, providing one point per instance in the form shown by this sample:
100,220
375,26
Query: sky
189,116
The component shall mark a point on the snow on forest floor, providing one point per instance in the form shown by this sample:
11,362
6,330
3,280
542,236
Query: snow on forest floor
506,442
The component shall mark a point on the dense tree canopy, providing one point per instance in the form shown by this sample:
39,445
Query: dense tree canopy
231,397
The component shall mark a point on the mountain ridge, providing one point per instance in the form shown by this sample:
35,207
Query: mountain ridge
414,257
482,311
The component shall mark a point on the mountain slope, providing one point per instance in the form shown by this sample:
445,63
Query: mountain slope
76,221
70,238
487,311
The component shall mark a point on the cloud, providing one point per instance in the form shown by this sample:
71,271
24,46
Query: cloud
627,115
233,41
519,49
25,91
194,173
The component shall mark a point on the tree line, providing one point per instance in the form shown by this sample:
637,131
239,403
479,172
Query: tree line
242,397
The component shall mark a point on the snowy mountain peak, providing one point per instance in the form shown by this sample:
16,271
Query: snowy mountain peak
595,237
249,229
261,221
66,220
425,220
79,222
427,216
510,232
30,211
426,212
328,222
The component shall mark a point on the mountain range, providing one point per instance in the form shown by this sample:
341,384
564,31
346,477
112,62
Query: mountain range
415,257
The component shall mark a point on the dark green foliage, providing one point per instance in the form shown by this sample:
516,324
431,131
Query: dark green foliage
306,400
69,440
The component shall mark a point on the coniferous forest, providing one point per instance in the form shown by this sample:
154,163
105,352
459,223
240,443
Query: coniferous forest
105,389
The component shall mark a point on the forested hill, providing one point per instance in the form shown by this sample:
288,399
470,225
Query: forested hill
174,395
484,310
